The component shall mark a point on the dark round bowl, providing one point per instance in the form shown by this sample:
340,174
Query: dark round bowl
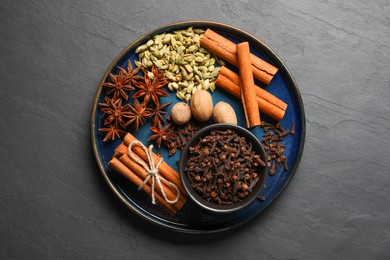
213,207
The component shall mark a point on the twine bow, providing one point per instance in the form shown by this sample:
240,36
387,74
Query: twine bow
152,172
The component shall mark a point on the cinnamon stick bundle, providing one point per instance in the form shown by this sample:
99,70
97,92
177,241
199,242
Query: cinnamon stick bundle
125,165
248,94
226,50
165,170
119,167
267,103
141,172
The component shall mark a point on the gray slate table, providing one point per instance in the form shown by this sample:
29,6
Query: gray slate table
54,203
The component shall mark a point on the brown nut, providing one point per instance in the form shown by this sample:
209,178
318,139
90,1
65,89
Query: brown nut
181,113
224,113
202,105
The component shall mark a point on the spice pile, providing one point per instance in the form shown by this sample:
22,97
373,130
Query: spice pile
183,135
274,134
119,117
187,65
223,168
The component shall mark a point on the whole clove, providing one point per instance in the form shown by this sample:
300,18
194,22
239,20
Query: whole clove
226,174
274,134
180,135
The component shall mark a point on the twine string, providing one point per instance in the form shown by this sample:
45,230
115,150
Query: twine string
152,172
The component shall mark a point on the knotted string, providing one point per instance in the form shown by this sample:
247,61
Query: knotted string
152,172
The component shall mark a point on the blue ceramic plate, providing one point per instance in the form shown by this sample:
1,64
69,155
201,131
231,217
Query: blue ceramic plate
192,218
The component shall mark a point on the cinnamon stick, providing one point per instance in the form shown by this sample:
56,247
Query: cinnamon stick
226,50
267,103
119,167
248,94
165,170
120,150
141,172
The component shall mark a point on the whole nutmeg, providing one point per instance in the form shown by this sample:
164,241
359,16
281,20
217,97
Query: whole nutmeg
202,105
181,113
224,113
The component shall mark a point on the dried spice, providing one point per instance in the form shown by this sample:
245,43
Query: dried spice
151,88
181,113
112,132
175,136
160,134
137,115
114,112
188,66
184,133
274,134
157,112
131,74
223,168
119,85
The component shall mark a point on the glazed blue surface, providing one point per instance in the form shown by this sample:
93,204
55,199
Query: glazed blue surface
192,218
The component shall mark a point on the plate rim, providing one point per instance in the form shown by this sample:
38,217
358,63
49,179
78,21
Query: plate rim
136,42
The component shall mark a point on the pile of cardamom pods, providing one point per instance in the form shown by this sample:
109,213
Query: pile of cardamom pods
189,66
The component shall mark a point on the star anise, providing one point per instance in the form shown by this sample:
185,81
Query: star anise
161,134
119,85
114,112
112,132
157,112
151,88
131,74
137,115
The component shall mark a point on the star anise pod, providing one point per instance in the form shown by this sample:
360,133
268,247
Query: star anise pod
114,112
112,132
151,88
161,134
157,112
137,115
131,74
119,84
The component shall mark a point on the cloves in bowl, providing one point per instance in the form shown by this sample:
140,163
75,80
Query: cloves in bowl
223,168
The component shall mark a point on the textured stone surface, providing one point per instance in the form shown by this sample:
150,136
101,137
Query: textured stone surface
53,200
